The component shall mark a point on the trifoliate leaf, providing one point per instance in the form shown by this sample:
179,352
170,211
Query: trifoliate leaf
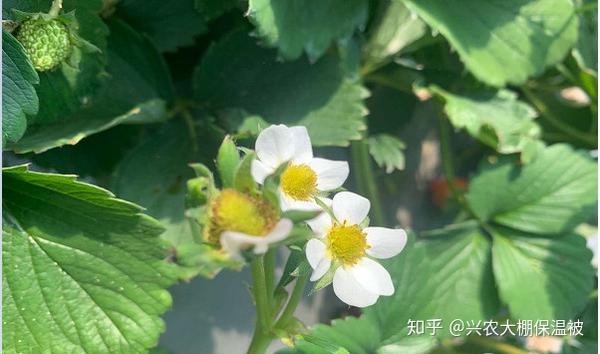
19,98
552,194
542,278
387,152
318,95
497,119
136,91
82,271
502,41
170,24
295,26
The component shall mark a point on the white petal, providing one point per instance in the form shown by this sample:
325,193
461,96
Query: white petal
287,203
350,207
372,276
233,242
330,174
384,242
322,223
280,231
350,291
260,171
315,252
302,146
273,145
321,269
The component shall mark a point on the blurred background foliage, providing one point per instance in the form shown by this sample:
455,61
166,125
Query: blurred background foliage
472,123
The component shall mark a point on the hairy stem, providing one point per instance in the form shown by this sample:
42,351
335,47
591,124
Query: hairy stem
55,8
363,169
295,297
262,332
270,260
549,116
448,167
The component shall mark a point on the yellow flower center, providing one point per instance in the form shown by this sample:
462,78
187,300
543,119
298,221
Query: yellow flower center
299,182
346,243
235,211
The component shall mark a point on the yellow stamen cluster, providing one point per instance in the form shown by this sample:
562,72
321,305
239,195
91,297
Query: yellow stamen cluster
299,182
235,211
346,243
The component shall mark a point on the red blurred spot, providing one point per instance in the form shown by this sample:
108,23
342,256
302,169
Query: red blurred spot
441,192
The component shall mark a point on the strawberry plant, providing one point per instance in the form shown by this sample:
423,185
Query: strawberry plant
426,170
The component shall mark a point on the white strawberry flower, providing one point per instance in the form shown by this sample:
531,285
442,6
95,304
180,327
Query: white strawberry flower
305,176
341,242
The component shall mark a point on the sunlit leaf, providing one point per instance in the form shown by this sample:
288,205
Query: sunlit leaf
82,271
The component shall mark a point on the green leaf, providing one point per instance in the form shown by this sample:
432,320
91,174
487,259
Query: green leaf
502,41
387,152
211,9
395,28
542,278
138,85
95,156
154,175
64,90
228,159
295,25
18,94
497,119
447,276
82,271
586,50
551,195
318,96
170,24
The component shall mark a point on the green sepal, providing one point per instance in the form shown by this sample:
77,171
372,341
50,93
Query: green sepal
204,260
293,262
290,328
325,279
279,297
300,233
75,47
228,160
243,180
200,189
300,215
70,20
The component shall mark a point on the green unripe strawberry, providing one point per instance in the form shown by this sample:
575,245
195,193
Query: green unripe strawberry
46,41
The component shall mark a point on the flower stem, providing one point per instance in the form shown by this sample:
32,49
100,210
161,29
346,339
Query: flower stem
262,334
55,8
288,311
269,266
549,116
363,169
448,167
445,149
